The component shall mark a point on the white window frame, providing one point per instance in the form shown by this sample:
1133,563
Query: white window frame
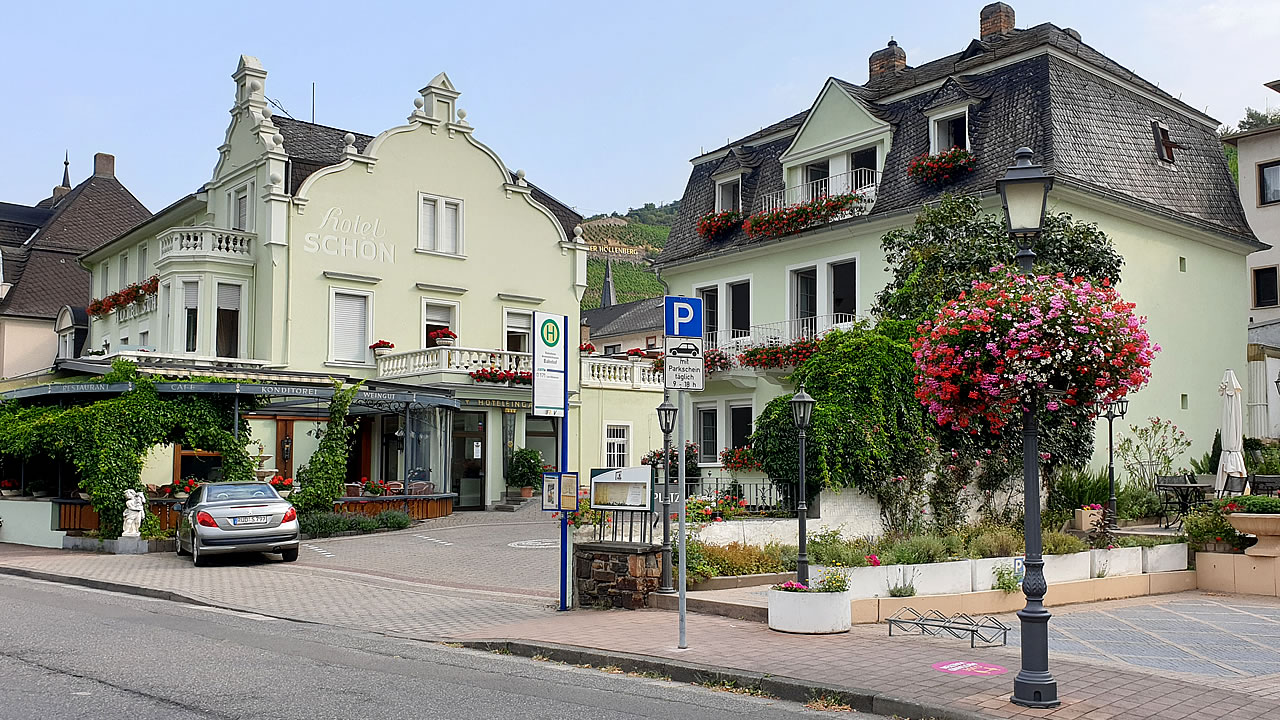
432,245
124,270
941,115
824,267
1253,287
506,326
729,406
698,409
181,301
627,443
67,343
246,191
106,278
334,291
143,261
242,332
728,181
144,341
455,311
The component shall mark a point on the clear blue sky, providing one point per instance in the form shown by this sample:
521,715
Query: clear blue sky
600,103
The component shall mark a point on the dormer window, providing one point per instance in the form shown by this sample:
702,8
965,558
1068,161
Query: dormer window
950,131
729,195
1164,146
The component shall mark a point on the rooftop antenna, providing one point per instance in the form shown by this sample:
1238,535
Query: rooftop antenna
313,102
280,108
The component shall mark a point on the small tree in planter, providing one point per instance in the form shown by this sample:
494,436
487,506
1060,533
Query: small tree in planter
525,471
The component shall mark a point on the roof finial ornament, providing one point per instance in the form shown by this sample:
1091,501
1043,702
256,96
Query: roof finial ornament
66,169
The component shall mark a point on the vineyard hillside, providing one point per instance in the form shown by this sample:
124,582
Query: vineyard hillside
630,281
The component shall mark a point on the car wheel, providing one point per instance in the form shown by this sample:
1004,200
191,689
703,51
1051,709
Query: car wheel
289,555
197,558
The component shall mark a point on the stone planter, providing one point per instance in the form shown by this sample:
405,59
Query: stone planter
526,492
944,578
10,493
382,351
1115,562
1066,568
1164,558
178,495
864,582
809,613
1266,527
1085,519
984,571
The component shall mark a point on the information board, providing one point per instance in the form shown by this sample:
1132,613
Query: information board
550,365
622,488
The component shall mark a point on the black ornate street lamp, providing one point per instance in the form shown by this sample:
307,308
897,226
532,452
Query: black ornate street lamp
666,423
1115,409
1024,191
802,412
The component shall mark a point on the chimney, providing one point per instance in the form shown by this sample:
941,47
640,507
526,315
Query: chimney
584,332
59,192
996,20
104,165
887,60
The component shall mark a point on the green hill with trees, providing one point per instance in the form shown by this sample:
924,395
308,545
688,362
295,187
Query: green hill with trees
632,282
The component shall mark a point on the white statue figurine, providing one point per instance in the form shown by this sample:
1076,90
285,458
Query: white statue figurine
135,504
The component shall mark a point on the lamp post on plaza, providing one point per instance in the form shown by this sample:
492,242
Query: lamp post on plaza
666,423
802,413
1024,193
1115,409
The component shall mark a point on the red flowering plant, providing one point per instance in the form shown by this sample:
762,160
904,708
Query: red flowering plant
132,293
988,351
778,356
794,218
636,353
586,347
659,364
441,333
737,460
942,167
279,482
490,374
95,308
715,506
185,485
715,226
382,344
715,360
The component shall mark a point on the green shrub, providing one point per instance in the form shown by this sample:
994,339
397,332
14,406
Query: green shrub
1148,540
741,559
1207,524
1001,542
393,519
1060,543
784,556
1133,501
919,549
1006,580
1265,504
697,567
525,469
828,547
321,524
1074,488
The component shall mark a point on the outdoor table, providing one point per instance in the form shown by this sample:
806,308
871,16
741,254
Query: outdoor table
1186,497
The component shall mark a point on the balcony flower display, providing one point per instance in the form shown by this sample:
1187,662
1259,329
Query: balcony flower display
715,226
444,337
587,347
737,460
659,364
636,354
499,376
715,360
787,220
1074,342
382,345
941,168
132,293
765,357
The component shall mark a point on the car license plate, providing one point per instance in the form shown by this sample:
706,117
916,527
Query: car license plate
252,520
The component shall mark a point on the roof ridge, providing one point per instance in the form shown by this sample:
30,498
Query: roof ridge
321,125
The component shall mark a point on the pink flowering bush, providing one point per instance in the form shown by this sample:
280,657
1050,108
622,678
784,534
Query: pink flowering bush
1076,343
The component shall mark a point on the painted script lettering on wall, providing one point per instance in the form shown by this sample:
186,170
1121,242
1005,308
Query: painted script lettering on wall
350,238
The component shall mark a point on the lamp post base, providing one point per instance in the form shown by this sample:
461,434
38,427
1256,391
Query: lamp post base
1035,692
1033,687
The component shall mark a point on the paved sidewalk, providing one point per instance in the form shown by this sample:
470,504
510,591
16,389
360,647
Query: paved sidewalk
868,661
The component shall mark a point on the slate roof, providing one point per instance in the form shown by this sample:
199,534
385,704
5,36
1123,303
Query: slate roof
311,147
50,279
625,318
1087,132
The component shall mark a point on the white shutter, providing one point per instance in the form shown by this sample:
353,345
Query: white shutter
228,297
519,322
350,327
242,212
449,237
439,314
427,238
190,294
142,263
124,270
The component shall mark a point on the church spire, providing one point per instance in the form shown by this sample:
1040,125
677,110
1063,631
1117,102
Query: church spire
608,295
66,170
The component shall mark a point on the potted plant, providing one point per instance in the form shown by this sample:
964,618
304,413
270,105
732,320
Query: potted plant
444,337
372,488
525,471
382,347
283,485
183,487
587,348
820,608
1086,516
1257,515
635,354
10,488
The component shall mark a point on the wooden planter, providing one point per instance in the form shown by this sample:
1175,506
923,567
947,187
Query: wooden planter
1266,527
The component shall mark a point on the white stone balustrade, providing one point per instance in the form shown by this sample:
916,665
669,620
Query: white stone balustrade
124,313
451,359
202,242
620,374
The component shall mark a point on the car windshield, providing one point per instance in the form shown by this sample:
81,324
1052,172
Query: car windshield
247,491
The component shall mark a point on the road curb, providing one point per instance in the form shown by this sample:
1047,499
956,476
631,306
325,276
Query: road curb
104,585
785,688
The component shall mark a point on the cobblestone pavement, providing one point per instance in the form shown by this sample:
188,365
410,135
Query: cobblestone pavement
901,666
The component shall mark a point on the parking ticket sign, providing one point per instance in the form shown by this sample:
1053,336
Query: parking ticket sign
682,363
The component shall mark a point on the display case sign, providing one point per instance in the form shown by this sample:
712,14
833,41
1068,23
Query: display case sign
622,488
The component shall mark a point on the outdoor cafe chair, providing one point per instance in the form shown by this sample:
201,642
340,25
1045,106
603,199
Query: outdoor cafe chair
1233,486
1264,484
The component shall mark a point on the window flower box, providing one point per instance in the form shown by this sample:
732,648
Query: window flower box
717,226
943,167
382,347
1164,558
1113,562
794,218
809,613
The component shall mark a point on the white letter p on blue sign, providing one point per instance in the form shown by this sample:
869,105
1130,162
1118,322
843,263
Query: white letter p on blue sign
683,316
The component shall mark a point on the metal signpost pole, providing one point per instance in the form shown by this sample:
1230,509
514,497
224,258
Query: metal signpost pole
664,584
683,553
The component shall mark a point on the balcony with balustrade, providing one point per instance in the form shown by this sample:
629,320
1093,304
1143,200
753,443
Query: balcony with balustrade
612,374
456,365
203,243
778,333
862,181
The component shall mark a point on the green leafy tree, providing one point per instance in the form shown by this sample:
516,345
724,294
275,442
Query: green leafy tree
323,475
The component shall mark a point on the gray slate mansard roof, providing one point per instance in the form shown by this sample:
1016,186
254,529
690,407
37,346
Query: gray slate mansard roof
1088,132
625,318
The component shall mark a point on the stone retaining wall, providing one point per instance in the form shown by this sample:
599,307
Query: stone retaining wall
615,574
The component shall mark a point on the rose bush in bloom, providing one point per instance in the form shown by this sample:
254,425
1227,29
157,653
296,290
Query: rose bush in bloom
794,218
942,167
714,226
986,352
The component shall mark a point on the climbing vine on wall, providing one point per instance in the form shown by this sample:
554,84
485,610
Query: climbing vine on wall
323,475
107,440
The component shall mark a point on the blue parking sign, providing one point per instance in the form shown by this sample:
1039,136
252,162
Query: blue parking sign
683,316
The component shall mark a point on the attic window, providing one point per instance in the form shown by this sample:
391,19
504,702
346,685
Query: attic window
729,195
951,131
1164,146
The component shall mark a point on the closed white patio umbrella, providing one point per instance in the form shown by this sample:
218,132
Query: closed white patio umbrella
1231,462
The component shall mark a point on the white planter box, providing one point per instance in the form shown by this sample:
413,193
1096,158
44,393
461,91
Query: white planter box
1164,558
1115,562
1066,568
811,613
864,582
984,571
942,578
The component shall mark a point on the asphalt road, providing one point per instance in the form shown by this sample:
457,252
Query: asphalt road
70,652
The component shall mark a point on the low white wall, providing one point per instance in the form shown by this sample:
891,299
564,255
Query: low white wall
848,511
29,522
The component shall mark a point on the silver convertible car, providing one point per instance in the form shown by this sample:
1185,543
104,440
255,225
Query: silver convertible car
234,517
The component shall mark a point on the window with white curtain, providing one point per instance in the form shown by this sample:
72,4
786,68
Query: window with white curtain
440,225
349,326
616,448
191,313
228,320
436,316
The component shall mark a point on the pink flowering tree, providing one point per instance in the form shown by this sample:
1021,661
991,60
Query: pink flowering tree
1070,342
